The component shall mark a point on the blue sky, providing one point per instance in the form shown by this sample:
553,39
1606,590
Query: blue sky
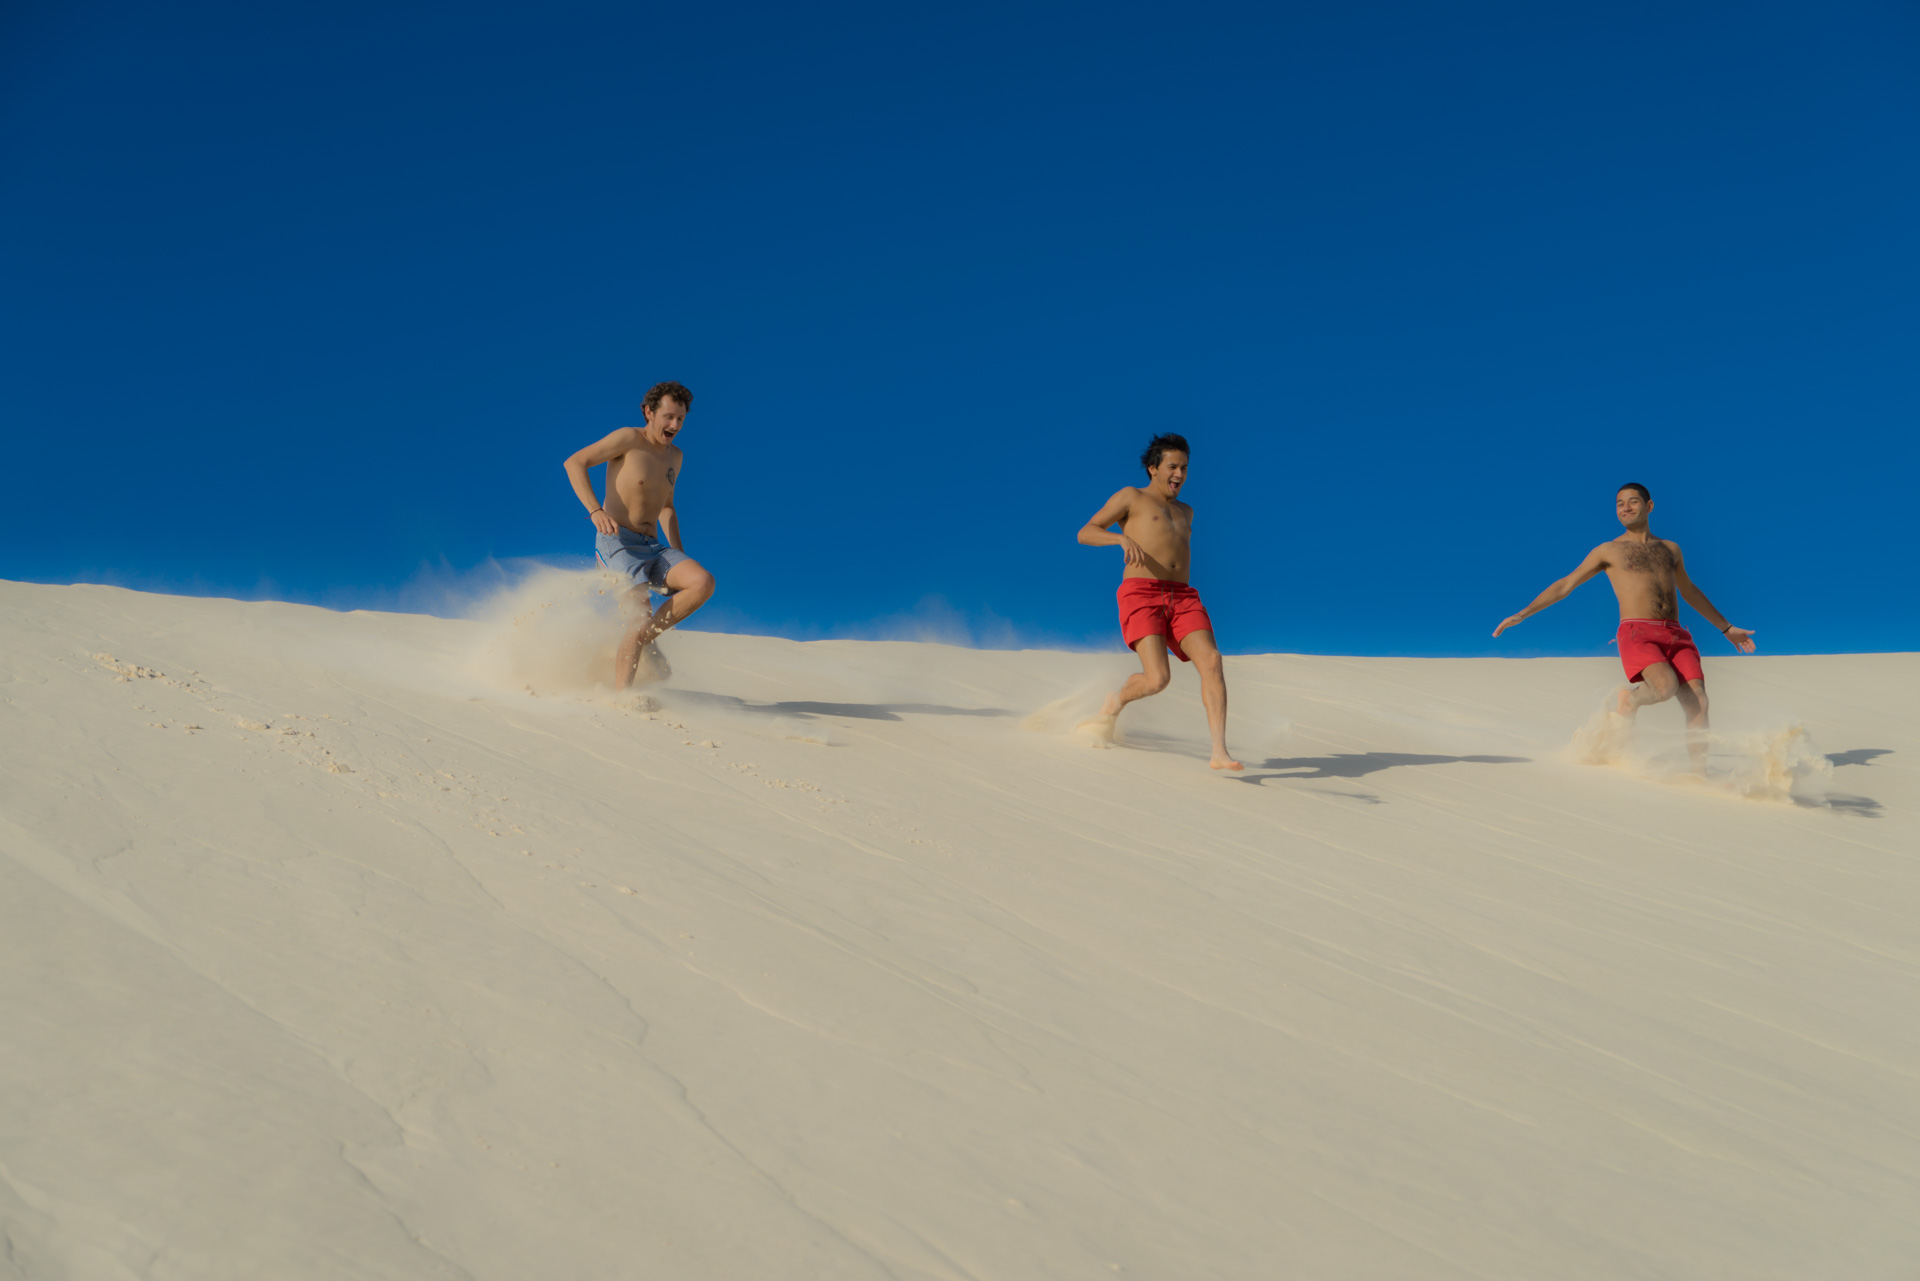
311,301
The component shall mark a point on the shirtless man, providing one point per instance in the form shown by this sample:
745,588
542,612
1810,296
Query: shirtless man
642,465
1158,610
1648,576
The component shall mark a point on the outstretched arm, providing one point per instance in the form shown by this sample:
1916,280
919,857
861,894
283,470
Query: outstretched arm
604,450
1558,591
1742,638
1099,531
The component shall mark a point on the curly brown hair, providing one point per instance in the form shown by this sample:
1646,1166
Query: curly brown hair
660,391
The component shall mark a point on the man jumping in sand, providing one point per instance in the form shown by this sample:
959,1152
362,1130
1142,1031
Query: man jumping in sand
1159,611
642,465
1648,576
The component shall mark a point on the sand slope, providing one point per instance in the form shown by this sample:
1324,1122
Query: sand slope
327,950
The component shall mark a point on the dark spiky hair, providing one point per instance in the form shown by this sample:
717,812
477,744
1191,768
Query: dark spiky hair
1159,445
1637,488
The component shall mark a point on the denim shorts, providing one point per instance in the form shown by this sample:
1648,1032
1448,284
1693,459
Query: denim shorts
642,559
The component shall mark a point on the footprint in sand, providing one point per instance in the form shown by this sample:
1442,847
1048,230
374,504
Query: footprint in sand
128,671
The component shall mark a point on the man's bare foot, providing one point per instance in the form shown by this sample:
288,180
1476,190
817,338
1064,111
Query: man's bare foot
653,666
1223,761
1095,731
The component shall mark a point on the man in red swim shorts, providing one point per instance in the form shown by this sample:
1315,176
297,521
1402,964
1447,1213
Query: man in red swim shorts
1649,575
1159,611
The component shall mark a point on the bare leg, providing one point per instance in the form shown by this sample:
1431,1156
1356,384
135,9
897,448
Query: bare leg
692,587
1657,684
1152,677
1693,701
1213,693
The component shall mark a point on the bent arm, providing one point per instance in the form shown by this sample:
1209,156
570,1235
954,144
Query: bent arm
1559,589
1098,531
601,451
1690,592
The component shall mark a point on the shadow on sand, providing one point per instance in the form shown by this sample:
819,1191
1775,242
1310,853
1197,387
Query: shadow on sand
1864,806
1360,764
1858,756
855,711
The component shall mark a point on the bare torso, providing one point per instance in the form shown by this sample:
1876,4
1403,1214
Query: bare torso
1642,572
1164,530
640,484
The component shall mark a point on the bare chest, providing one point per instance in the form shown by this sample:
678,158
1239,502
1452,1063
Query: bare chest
637,473
1654,559
1159,525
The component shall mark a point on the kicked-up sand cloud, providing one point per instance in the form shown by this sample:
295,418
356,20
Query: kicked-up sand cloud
378,945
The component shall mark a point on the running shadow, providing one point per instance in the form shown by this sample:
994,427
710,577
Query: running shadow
1360,764
1865,806
855,711
1858,756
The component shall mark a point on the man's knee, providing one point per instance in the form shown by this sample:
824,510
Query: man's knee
696,585
1658,685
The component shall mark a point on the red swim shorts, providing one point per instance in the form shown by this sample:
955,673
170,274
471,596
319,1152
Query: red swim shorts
1646,641
1156,607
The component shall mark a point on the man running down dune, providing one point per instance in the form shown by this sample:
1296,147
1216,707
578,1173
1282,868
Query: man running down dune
1649,576
643,464
1159,610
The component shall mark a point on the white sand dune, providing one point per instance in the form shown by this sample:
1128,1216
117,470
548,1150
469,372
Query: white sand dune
327,950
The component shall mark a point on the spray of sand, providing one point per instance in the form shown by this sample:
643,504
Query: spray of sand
1781,763
1077,716
552,632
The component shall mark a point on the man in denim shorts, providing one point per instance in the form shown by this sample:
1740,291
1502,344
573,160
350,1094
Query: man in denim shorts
637,528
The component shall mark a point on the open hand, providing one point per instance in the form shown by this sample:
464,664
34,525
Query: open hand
1742,638
1131,550
603,522
1512,620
